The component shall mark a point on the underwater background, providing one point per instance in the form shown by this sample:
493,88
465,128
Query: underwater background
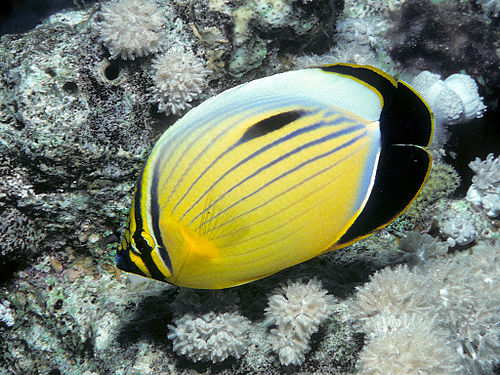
86,89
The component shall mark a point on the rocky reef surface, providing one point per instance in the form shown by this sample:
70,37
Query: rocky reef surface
85,95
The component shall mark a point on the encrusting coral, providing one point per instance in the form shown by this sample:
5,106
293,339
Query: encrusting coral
297,309
131,28
179,77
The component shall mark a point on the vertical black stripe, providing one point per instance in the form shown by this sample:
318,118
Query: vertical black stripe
155,218
140,243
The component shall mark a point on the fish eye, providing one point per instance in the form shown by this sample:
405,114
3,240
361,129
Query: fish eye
143,243
147,237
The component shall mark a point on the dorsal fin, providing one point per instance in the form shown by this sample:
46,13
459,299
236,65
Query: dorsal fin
405,117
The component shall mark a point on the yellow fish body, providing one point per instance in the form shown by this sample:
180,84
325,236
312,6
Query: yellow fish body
275,172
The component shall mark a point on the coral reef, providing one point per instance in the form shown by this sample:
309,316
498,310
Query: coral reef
360,37
260,28
13,247
67,135
79,102
485,189
430,36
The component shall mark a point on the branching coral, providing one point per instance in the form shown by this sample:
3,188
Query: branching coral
179,77
297,309
485,189
131,28
211,336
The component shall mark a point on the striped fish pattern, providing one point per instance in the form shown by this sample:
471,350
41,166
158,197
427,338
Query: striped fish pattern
264,176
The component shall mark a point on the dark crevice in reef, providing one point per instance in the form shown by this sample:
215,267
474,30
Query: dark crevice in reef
8,269
148,320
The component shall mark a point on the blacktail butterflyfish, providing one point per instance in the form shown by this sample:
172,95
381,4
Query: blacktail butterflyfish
274,172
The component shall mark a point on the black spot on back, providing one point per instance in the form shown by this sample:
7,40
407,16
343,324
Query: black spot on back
270,124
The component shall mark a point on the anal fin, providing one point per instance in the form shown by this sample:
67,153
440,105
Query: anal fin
401,173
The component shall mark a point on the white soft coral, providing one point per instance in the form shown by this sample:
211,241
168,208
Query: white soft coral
179,77
211,336
131,28
297,309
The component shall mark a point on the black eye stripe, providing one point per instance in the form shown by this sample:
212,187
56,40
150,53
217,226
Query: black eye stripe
155,218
